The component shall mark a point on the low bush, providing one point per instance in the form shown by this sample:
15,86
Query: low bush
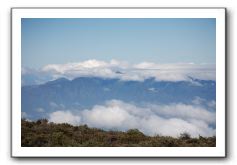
44,134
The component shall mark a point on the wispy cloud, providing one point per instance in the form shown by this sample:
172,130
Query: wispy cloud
169,120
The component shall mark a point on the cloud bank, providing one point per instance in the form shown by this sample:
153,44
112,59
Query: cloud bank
65,117
126,71
167,120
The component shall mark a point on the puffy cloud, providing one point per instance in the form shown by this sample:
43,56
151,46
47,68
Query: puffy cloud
169,120
185,112
63,68
125,71
146,65
64,117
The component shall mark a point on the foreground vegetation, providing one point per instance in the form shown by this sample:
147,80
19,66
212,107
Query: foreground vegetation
44,134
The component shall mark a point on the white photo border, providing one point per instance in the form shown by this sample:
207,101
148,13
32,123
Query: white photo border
218,13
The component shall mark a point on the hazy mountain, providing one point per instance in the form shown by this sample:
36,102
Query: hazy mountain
85,92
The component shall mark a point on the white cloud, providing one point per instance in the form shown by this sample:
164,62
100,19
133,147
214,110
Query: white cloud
53,104
125,71
152,89
146,65
64,117
40,110
24,115
198,101
169,120
185,112
212,104
63,68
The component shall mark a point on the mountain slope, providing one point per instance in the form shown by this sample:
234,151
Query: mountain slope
85,92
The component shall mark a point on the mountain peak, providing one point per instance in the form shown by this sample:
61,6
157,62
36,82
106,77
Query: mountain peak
60,80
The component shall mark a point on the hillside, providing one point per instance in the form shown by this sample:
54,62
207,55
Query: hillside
41,133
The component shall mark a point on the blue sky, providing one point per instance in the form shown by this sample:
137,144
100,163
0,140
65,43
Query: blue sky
58,41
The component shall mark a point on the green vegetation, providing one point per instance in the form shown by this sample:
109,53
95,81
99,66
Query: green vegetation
44,134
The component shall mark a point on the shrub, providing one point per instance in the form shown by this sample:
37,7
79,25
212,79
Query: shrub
44,134
184,136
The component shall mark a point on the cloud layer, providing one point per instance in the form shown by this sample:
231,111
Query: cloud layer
168,120
126,71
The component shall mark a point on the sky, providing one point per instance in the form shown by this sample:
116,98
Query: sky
159,40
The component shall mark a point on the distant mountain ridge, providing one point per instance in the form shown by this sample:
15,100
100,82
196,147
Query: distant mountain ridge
85,92
118,69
